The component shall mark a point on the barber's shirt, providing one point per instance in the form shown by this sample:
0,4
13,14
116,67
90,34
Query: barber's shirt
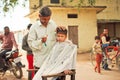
36,33
104,41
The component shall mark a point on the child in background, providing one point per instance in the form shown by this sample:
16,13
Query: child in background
97,50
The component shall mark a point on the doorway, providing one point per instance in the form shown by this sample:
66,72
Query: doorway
73,34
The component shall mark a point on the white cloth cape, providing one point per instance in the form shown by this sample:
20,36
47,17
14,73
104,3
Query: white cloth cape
62,57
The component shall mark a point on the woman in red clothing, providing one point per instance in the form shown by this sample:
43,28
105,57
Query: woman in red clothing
98,51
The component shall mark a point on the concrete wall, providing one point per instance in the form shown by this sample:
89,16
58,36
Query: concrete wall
112,11
32,4
86,20
86,23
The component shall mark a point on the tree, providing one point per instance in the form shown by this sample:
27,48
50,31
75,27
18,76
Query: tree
81,2
7,5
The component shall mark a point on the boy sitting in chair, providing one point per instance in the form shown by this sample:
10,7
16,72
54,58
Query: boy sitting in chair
62,57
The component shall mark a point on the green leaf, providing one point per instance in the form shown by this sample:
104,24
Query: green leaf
5,8
71,0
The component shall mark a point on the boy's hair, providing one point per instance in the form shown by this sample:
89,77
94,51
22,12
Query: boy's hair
61,30
45,11
97,37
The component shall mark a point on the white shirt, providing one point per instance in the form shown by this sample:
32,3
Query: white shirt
104,40
37,31
97,48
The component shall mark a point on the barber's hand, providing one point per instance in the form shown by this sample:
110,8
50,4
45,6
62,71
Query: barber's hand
67,71
44,39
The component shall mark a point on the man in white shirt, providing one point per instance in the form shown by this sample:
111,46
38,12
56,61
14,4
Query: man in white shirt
41,37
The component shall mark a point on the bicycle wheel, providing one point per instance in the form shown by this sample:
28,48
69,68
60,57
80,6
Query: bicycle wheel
111,56
118,61
93,61
92,58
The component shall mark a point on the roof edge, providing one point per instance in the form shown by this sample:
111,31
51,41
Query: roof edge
108,20
76,6
98,8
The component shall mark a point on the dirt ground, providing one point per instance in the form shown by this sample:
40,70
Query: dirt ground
84,71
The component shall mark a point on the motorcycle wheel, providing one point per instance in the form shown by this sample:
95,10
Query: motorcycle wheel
118,61
17,71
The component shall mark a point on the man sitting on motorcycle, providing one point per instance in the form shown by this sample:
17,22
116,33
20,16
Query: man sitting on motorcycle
105,39
8,41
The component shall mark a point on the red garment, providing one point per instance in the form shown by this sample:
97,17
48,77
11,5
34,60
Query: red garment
8,41
30,63
115,48
98,62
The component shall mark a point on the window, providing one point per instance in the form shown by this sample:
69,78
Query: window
72,16
55,1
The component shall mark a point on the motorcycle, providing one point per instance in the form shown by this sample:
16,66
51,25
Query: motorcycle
12,62
113,53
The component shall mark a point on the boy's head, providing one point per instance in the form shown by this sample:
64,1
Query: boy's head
97,38
61,33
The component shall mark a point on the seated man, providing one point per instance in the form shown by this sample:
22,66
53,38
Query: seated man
62,57
105,39
8,41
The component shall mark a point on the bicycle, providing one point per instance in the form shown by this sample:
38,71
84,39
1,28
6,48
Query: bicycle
112,53
92,58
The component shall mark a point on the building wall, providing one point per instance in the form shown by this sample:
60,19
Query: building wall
109,18
32,4
86,20
86,23
112,11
